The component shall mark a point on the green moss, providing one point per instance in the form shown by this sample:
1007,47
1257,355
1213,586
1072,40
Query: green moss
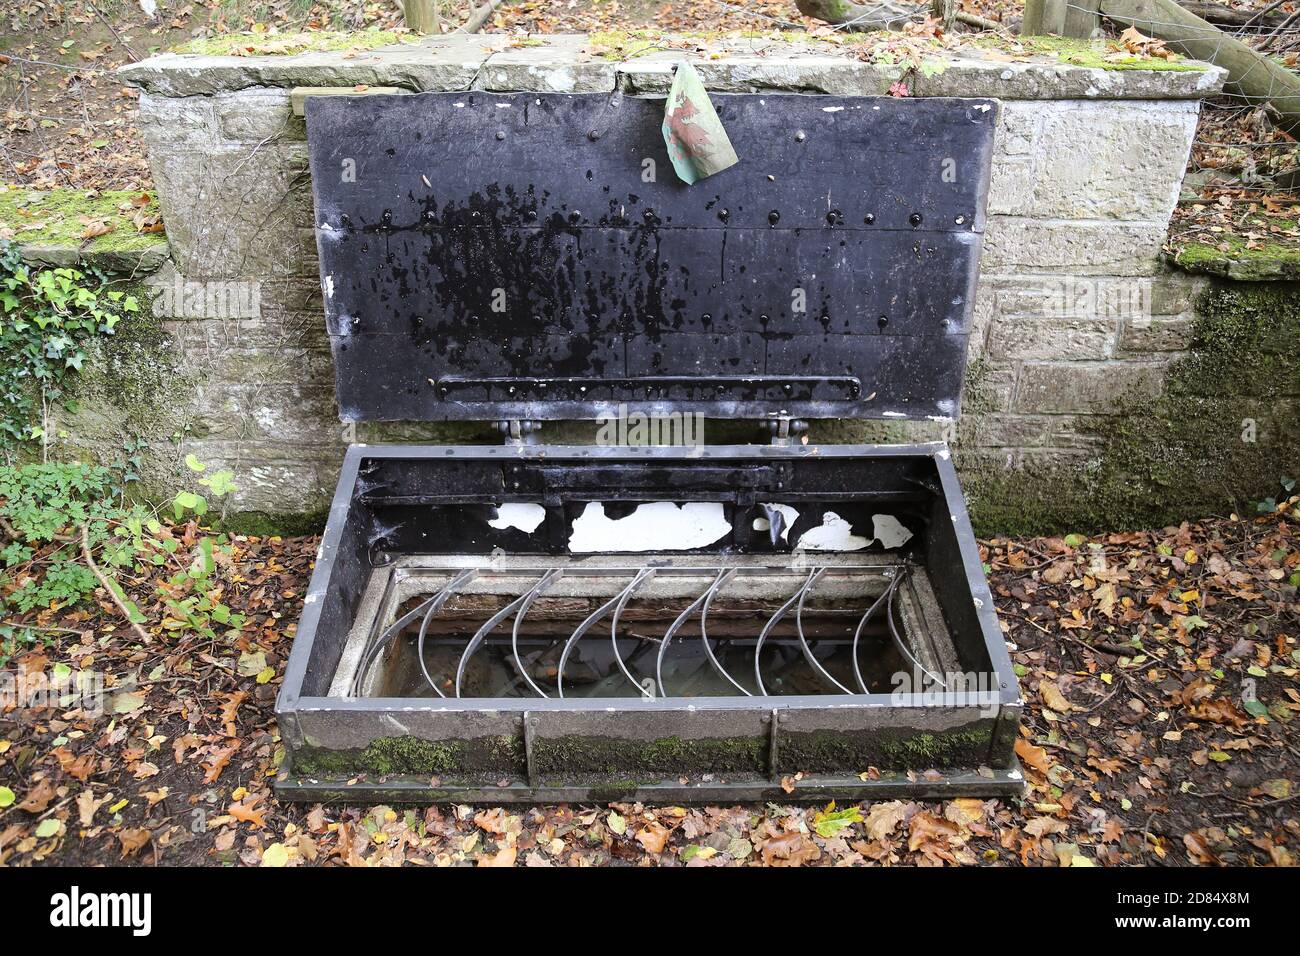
610,757
1233,257
944,749
264,524
127,386
287,44
1091,54
490,756
59,217
1183,454
834,752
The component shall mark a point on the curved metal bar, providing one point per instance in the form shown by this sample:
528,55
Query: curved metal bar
642,576
902,646
582,629
434,607
438,599
772,622
857,635
491,623
514,631
704,639
721,579
803,641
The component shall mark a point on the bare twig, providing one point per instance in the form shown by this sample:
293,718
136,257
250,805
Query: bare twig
86,556
478,17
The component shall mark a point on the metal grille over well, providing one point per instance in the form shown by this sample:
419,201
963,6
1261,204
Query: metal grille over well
658,630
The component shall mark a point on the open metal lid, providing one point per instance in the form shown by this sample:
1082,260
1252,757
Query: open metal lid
534,256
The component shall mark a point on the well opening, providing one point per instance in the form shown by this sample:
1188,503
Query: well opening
653,627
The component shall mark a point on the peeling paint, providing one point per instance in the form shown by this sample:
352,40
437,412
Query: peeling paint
654,526
889,531
834,534
788,514
525,515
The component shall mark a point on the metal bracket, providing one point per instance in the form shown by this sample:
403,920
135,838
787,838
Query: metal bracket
783,430
518,432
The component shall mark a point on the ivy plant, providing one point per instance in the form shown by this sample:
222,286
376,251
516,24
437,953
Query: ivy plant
47,319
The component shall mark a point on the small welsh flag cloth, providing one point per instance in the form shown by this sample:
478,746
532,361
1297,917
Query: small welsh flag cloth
697,144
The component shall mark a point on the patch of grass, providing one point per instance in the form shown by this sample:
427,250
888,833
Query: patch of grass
287,44
60,217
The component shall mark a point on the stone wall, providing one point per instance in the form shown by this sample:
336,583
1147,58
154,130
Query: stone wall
1077,317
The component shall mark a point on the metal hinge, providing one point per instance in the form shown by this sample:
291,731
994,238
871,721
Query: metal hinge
783,430
516,432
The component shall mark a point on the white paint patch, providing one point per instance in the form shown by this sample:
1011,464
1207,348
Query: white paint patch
329,287
524,515
654,526
889,531
835,534
832,109
790,516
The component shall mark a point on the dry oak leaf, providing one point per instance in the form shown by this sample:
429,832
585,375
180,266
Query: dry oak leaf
493,821
1035,757
882,818
925,826
132,840
1053,697
38,798
247,811
1198,848
653,838
505,857
1041,826
217,763
790,849
1219,712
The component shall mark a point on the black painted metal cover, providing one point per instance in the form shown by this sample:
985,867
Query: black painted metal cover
533,256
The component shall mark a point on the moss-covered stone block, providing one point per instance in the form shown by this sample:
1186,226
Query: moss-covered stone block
1221,433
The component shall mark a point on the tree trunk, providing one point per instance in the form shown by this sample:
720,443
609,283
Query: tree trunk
422,15
1256,78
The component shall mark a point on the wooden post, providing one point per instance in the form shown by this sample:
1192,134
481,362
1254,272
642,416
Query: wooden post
1067,18
1081,18
945,11
422,15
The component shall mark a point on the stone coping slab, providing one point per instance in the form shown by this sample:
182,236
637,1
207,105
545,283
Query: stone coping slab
565,63
129,262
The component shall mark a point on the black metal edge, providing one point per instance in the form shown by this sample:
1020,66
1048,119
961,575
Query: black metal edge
313,602
994,642
683,452
931,785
